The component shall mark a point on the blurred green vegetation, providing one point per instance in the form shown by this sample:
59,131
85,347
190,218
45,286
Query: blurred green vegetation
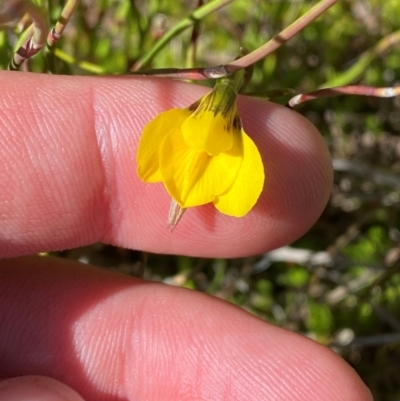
340,283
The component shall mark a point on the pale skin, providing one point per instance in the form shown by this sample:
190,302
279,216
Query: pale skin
69,179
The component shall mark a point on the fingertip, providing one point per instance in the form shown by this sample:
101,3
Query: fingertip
298,181
298,168
237,352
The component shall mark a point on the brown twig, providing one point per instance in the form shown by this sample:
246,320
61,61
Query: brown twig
359,90
278,40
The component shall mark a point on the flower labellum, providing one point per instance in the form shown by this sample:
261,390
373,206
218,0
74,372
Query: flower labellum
201,154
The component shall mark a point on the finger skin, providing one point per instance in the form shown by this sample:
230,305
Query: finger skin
68,156
36,388
114,338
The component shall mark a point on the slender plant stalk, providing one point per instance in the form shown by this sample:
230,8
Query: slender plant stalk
356,70
249,59
278,40
192,50
55,34
84,65
195,74
360,90
143,24
196,15
24,23
35,41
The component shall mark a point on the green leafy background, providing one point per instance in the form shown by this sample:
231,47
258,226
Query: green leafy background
340,283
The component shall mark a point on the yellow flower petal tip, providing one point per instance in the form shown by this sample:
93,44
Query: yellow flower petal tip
201,154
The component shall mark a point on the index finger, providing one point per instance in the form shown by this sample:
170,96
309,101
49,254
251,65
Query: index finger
69,170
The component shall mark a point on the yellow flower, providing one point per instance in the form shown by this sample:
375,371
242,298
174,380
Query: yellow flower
201,154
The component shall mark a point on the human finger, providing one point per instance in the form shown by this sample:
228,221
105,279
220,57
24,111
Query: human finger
113,338
69,170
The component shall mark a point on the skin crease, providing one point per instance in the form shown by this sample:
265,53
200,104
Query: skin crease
68,158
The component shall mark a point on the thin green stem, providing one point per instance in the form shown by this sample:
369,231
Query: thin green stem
197,15
84,65
357,69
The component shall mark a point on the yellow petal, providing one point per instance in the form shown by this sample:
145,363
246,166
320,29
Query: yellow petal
153,134
239,199
214,123
193,177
